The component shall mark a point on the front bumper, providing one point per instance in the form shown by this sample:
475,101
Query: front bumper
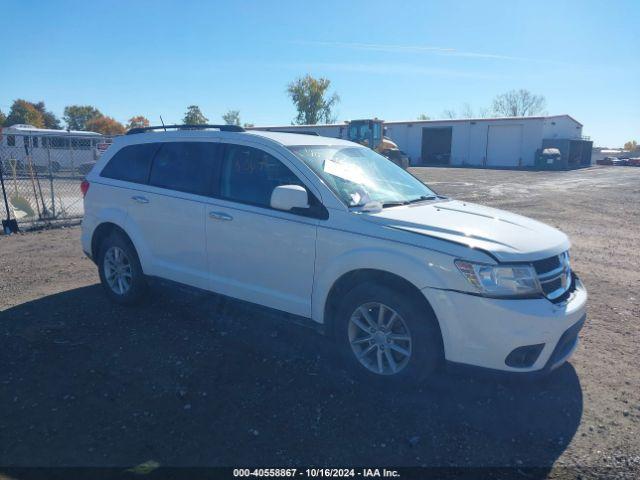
482,332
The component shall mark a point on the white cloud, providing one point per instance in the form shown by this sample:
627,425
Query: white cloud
388,69
381,47
429,49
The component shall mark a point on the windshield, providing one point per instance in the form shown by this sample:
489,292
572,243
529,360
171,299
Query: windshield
360,176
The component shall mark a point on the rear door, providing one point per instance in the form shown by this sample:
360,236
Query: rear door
169,211
257,253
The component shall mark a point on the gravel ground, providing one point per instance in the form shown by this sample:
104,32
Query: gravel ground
193,379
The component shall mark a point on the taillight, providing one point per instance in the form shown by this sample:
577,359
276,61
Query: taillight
84,188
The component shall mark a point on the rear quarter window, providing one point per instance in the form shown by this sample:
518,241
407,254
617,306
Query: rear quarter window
131,163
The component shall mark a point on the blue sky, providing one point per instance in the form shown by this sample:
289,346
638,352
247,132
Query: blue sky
390,59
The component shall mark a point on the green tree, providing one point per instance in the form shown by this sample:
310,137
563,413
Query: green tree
631,146
104,125
424,116
77,116
3,118
194,116
26,113
312,100
232,117
137,122
50,120
519,103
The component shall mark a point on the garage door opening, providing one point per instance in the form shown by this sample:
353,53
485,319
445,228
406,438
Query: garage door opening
436,145
504,146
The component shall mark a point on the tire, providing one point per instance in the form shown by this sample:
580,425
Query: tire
425,345
118,251
55,167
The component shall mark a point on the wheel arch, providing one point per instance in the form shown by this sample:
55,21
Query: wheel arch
101,232
350,279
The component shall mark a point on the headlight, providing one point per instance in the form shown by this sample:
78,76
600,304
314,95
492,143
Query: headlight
501,280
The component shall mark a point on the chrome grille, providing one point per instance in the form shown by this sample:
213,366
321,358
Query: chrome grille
554,275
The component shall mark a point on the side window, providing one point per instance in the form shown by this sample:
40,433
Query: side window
11,140
184,166
131,164
249,175
58,142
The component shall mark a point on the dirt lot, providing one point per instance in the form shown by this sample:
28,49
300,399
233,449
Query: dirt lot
198,380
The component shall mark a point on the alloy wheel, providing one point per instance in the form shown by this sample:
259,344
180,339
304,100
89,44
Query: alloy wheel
117,270
379,338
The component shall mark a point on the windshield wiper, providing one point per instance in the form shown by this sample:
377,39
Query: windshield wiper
396,203
393,204
422,198
372,206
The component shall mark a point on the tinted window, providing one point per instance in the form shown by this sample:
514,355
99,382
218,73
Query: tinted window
131,163
249,175
184,166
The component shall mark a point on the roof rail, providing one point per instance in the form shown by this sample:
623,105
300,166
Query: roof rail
222,128
301,132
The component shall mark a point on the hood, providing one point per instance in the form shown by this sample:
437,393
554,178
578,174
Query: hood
507,236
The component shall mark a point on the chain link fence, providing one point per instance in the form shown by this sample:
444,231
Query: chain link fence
42,175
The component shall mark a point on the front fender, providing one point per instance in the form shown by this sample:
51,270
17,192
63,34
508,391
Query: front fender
416,270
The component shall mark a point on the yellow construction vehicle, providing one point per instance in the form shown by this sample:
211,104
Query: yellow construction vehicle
370,133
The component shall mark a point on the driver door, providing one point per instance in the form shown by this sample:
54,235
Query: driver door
257,253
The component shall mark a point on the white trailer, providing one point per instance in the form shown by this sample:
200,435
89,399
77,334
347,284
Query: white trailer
24,145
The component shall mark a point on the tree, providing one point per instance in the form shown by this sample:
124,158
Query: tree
466,111
50,120
105,125
311,99
3,118
424,116
77,116
518,103
232,117
138,121
484,113
194,116
449,113
631,146
26,113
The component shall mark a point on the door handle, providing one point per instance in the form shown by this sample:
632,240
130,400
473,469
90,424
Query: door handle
140,199
220,216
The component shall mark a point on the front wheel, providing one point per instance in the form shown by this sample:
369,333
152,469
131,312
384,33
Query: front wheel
120,271
387,336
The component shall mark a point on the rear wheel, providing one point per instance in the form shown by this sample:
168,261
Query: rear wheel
387,336
120,271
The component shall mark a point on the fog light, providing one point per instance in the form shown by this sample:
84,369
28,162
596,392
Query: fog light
523,357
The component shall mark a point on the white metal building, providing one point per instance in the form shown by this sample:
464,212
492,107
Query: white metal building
510,142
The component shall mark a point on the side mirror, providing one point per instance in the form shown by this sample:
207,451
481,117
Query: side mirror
288,197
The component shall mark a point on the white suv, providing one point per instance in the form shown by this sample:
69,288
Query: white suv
335,234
